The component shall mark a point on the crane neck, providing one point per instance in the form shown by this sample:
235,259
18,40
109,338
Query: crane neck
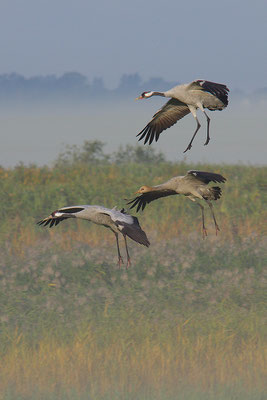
159,188
159,94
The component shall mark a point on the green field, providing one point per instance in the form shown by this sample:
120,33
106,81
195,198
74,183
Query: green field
187,321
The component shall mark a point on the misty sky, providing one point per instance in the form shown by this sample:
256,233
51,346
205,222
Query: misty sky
37,135
179,41
224,41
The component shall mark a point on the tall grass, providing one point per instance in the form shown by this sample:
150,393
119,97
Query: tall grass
184,319
141,360
29,193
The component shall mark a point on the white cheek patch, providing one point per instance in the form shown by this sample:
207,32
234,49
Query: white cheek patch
58,214
148,94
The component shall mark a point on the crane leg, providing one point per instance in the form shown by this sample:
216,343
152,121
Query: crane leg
204,230
120,259
213,216
208,129
191,141
127,252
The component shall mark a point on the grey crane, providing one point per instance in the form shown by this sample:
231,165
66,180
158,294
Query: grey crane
185,98
193,185
117,221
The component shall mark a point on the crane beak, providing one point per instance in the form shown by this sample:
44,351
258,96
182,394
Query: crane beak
138,191
139,98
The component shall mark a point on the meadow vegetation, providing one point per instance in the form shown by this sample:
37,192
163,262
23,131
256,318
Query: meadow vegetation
186,321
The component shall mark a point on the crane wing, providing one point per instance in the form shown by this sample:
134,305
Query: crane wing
118,216
57,216
128,225
166,117
51,221
205,177
141,201
134,231
216,89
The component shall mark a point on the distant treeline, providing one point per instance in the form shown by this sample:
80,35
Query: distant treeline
92,153
74,85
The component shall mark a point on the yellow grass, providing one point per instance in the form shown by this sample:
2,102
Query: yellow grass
133,363
88,234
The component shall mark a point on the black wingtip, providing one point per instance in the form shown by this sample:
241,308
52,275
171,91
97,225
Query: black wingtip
43,222
208,176
136,202
47,221
147,243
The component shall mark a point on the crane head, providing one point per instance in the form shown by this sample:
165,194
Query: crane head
144,189
144,95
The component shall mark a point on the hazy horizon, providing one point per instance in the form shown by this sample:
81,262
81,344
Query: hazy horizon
38,133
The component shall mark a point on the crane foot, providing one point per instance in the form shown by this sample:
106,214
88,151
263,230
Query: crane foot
204,233
120,261
188,148
217,229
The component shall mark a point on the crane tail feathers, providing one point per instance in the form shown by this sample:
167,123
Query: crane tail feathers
216,89
213,193
217,192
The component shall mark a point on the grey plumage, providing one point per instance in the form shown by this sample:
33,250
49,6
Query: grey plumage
185,98
193,185
117,221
